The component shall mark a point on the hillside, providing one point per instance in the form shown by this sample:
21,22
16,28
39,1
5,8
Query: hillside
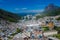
50,10
9,16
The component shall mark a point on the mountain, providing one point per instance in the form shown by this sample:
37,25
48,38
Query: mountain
9,16
51,10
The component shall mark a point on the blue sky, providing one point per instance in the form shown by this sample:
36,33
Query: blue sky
19,6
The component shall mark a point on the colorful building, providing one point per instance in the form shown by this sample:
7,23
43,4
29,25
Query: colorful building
50,25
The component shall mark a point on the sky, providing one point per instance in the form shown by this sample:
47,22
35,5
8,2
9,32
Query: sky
18,6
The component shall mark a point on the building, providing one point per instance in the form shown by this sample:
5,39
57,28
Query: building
51,25
37,34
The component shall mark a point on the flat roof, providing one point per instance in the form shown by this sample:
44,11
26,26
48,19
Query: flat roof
32,25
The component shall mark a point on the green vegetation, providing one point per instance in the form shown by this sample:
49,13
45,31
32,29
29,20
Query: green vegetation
17,31
14,34
9,16
45,28
38,16
50,10
52,13
58,29
57,36
10,37
58,18
0,30
26,18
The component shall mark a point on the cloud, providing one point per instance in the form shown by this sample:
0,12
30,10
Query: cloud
36,10
33,11
27,10
17,9
24,8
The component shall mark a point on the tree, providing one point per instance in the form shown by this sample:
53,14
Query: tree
38,16
18,30
57,28
58,18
